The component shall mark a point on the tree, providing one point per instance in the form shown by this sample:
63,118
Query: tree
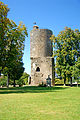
15,38
12,39
16,72
24,77
76,71
67,51
3,29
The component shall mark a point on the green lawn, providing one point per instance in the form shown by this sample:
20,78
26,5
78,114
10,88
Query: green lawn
36,103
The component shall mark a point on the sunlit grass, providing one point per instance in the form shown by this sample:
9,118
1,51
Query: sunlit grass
36,103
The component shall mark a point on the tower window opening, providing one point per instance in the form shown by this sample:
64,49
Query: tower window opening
37,69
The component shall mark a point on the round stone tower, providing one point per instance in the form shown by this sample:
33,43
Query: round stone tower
41,55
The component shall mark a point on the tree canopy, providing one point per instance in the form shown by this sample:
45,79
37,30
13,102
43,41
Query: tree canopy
12,39
67,51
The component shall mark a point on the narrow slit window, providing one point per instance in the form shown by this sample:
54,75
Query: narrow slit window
37,69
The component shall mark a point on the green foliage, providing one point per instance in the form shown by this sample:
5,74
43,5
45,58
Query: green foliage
20,82
3,81
16,71
12,39
61,81
3,29
66,50
20,79
76,70
23,79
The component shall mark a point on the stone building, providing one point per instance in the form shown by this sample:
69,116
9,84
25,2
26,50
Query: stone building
41,55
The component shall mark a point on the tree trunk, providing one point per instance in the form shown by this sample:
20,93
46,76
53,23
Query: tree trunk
77,83
53,72
71,81
7,80
65,80
14,83
0,73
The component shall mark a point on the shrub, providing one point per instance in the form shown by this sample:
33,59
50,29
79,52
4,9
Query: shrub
42,84
3,80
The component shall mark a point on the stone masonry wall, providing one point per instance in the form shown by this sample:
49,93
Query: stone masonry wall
40,53
41,45
45,66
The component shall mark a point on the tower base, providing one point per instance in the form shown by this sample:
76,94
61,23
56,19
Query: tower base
41,68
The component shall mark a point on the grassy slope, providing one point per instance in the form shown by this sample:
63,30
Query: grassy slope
35,103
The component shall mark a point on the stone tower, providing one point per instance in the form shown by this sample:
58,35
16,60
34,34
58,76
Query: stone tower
40,55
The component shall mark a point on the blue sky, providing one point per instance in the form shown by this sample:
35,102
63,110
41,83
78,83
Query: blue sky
50,14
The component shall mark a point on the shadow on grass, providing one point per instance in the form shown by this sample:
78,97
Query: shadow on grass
30,89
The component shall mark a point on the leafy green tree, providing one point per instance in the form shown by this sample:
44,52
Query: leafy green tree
66,50
76,71
23,80
24,77
16,37
12,39
3,30
16,72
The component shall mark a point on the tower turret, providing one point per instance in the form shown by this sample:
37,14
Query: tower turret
40,54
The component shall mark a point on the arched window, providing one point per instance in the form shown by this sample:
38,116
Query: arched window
37,69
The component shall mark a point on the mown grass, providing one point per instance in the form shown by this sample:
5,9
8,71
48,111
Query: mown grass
39,103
